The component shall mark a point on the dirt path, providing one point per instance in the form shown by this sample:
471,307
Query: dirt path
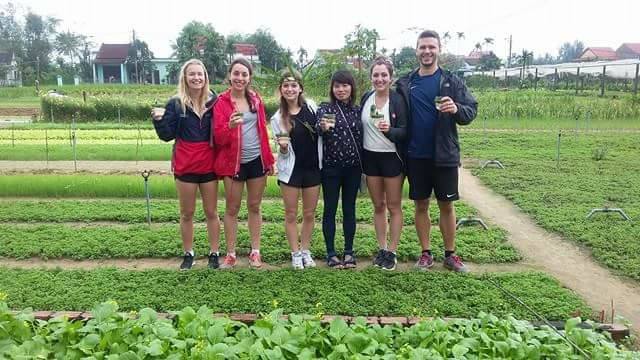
100,167
201,263
572,266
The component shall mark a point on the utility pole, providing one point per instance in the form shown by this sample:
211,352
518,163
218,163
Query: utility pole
509,57
38,68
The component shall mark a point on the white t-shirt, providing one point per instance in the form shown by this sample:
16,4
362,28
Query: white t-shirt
374,139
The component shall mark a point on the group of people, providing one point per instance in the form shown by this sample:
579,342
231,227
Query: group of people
404,129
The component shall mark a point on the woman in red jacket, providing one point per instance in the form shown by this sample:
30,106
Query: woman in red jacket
187,119
243,155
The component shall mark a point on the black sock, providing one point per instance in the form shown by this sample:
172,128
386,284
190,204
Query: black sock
448,253
427,251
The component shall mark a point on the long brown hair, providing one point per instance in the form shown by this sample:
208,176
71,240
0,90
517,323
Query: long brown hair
286,120
244,62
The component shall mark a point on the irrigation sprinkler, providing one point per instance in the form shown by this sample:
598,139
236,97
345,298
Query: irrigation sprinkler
558,149
73,138
46,147
470,221
497,164
145,175
606,210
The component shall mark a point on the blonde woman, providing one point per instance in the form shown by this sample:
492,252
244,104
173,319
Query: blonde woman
294,129
187,119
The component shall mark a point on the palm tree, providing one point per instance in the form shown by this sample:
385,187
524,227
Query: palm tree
302,56
477,47
446,37
488,41
69,44
460,36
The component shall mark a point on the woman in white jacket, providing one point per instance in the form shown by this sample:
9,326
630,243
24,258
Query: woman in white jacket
298,164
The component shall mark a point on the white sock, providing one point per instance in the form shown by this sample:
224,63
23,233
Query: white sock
232,254
255,251
308,252
190,252
216,253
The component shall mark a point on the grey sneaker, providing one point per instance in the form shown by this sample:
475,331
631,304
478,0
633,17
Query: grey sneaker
296,261
307,260
377,261
425,262
389,261
454,263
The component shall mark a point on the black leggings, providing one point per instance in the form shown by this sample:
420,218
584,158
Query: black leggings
333,180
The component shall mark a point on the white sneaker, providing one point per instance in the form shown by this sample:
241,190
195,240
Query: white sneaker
307,260
296,261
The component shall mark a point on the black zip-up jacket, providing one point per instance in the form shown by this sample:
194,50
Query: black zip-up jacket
187,126
447,147
397,115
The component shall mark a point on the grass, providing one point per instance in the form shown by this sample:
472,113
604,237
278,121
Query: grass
103,186
595,170
106,135
368,292
551,124
115,126
139,241
100,152
22,102
134,211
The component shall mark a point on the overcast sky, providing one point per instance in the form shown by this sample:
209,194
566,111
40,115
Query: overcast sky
539,26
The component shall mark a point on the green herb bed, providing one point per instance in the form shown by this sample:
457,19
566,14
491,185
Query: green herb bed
138,241
595,170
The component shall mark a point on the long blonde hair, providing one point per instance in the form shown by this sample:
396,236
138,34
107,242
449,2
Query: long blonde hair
183,89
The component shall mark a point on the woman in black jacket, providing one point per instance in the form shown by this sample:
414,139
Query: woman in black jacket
187,119
384,119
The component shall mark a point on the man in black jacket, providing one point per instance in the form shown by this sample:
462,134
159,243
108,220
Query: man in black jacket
438,102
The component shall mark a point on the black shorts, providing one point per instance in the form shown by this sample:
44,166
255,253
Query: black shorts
385,164
303,178
425,177
196,178
251,170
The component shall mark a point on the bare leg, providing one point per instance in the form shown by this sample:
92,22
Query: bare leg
187,198
448,224
423,223
255,190
290,197
309,204
393,193
209,192
233,198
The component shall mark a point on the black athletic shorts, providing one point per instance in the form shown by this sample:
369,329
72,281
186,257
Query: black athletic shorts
425,177
385,164
196,178
303,178
251,170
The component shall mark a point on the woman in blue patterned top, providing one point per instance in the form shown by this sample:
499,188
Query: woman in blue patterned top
341,130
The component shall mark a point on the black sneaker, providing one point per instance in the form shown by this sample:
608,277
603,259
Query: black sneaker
187,262
377,261
214,263
389,261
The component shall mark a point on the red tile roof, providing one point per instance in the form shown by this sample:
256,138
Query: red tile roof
634,47
246,49
112,53
600,53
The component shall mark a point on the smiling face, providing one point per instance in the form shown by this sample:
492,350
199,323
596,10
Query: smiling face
239,76
427,52
290,90
341,91
380,78
195,77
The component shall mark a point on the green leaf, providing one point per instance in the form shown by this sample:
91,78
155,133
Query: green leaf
459,351
216,334
155,348
357,343
338,329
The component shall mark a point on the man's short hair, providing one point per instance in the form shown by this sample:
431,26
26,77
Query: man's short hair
429,34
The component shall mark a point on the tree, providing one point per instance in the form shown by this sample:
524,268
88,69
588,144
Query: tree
139,64
69,44
489,62
488,41
38,35
229,48
11,33
569,52
361,43
201,41
271,54
405,60
477,47
302,57
84,65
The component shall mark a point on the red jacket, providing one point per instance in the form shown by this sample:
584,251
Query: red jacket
228,141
